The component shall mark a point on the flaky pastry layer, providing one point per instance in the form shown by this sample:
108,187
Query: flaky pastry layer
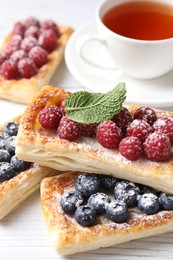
69,237
14,191
23,90
85,154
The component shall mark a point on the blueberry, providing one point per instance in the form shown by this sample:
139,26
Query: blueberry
117,211
7,171
4,156
146,189
166,201
149,203
87,184
85,215
11,128
99,202
19,165
10,144
127,192
2,142
70,201
107,182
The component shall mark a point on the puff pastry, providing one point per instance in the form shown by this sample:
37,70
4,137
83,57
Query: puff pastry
85,154
14,191
22,90
69,237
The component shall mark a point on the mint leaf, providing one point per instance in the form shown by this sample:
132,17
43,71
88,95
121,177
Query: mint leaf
91,108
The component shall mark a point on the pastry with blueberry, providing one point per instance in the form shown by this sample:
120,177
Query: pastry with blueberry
85,211
96,132
29,56
18,178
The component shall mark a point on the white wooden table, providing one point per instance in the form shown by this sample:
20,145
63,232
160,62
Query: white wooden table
23,234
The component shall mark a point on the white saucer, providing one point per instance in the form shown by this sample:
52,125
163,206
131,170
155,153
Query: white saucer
156,92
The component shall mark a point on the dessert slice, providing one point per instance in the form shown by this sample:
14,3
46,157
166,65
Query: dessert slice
86,211
18,178
126,147
29,56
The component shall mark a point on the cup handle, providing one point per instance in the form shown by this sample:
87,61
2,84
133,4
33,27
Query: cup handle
83,41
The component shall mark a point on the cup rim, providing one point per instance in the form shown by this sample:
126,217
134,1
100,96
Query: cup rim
99,20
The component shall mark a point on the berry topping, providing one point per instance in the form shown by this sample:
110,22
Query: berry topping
16,41
87,184
148,203
27,68
123,119
4,156
3,137
10,145
31,21
166,201
107,182
2,58
11,129
131,148
70,201
6,171
18,28
33,31
9,70
50,117
157,147
99,202
88,130
49,24
48,40
139,128
19,165
85,215
68,129
9,49
62,106
127,192
117,211
108,134
17,56
164,125
27,43
146,189
38,55
147,114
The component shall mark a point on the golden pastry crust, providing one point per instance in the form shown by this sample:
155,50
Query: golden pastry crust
85,154
69,237
22,90
14,191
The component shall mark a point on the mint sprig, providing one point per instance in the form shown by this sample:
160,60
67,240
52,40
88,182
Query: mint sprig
91,108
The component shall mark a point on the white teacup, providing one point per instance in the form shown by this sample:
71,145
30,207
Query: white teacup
143,59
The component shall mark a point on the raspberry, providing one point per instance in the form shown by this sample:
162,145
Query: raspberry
62,106
16,41
48,40
123,119
8,50
131,148
157,147
88,130
147,114
18,29
164,125
38,55
108,134
50,117
17,56
33,31
31,21
27,43
2,58
68,129
139,128
9,70
49,24
27,68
